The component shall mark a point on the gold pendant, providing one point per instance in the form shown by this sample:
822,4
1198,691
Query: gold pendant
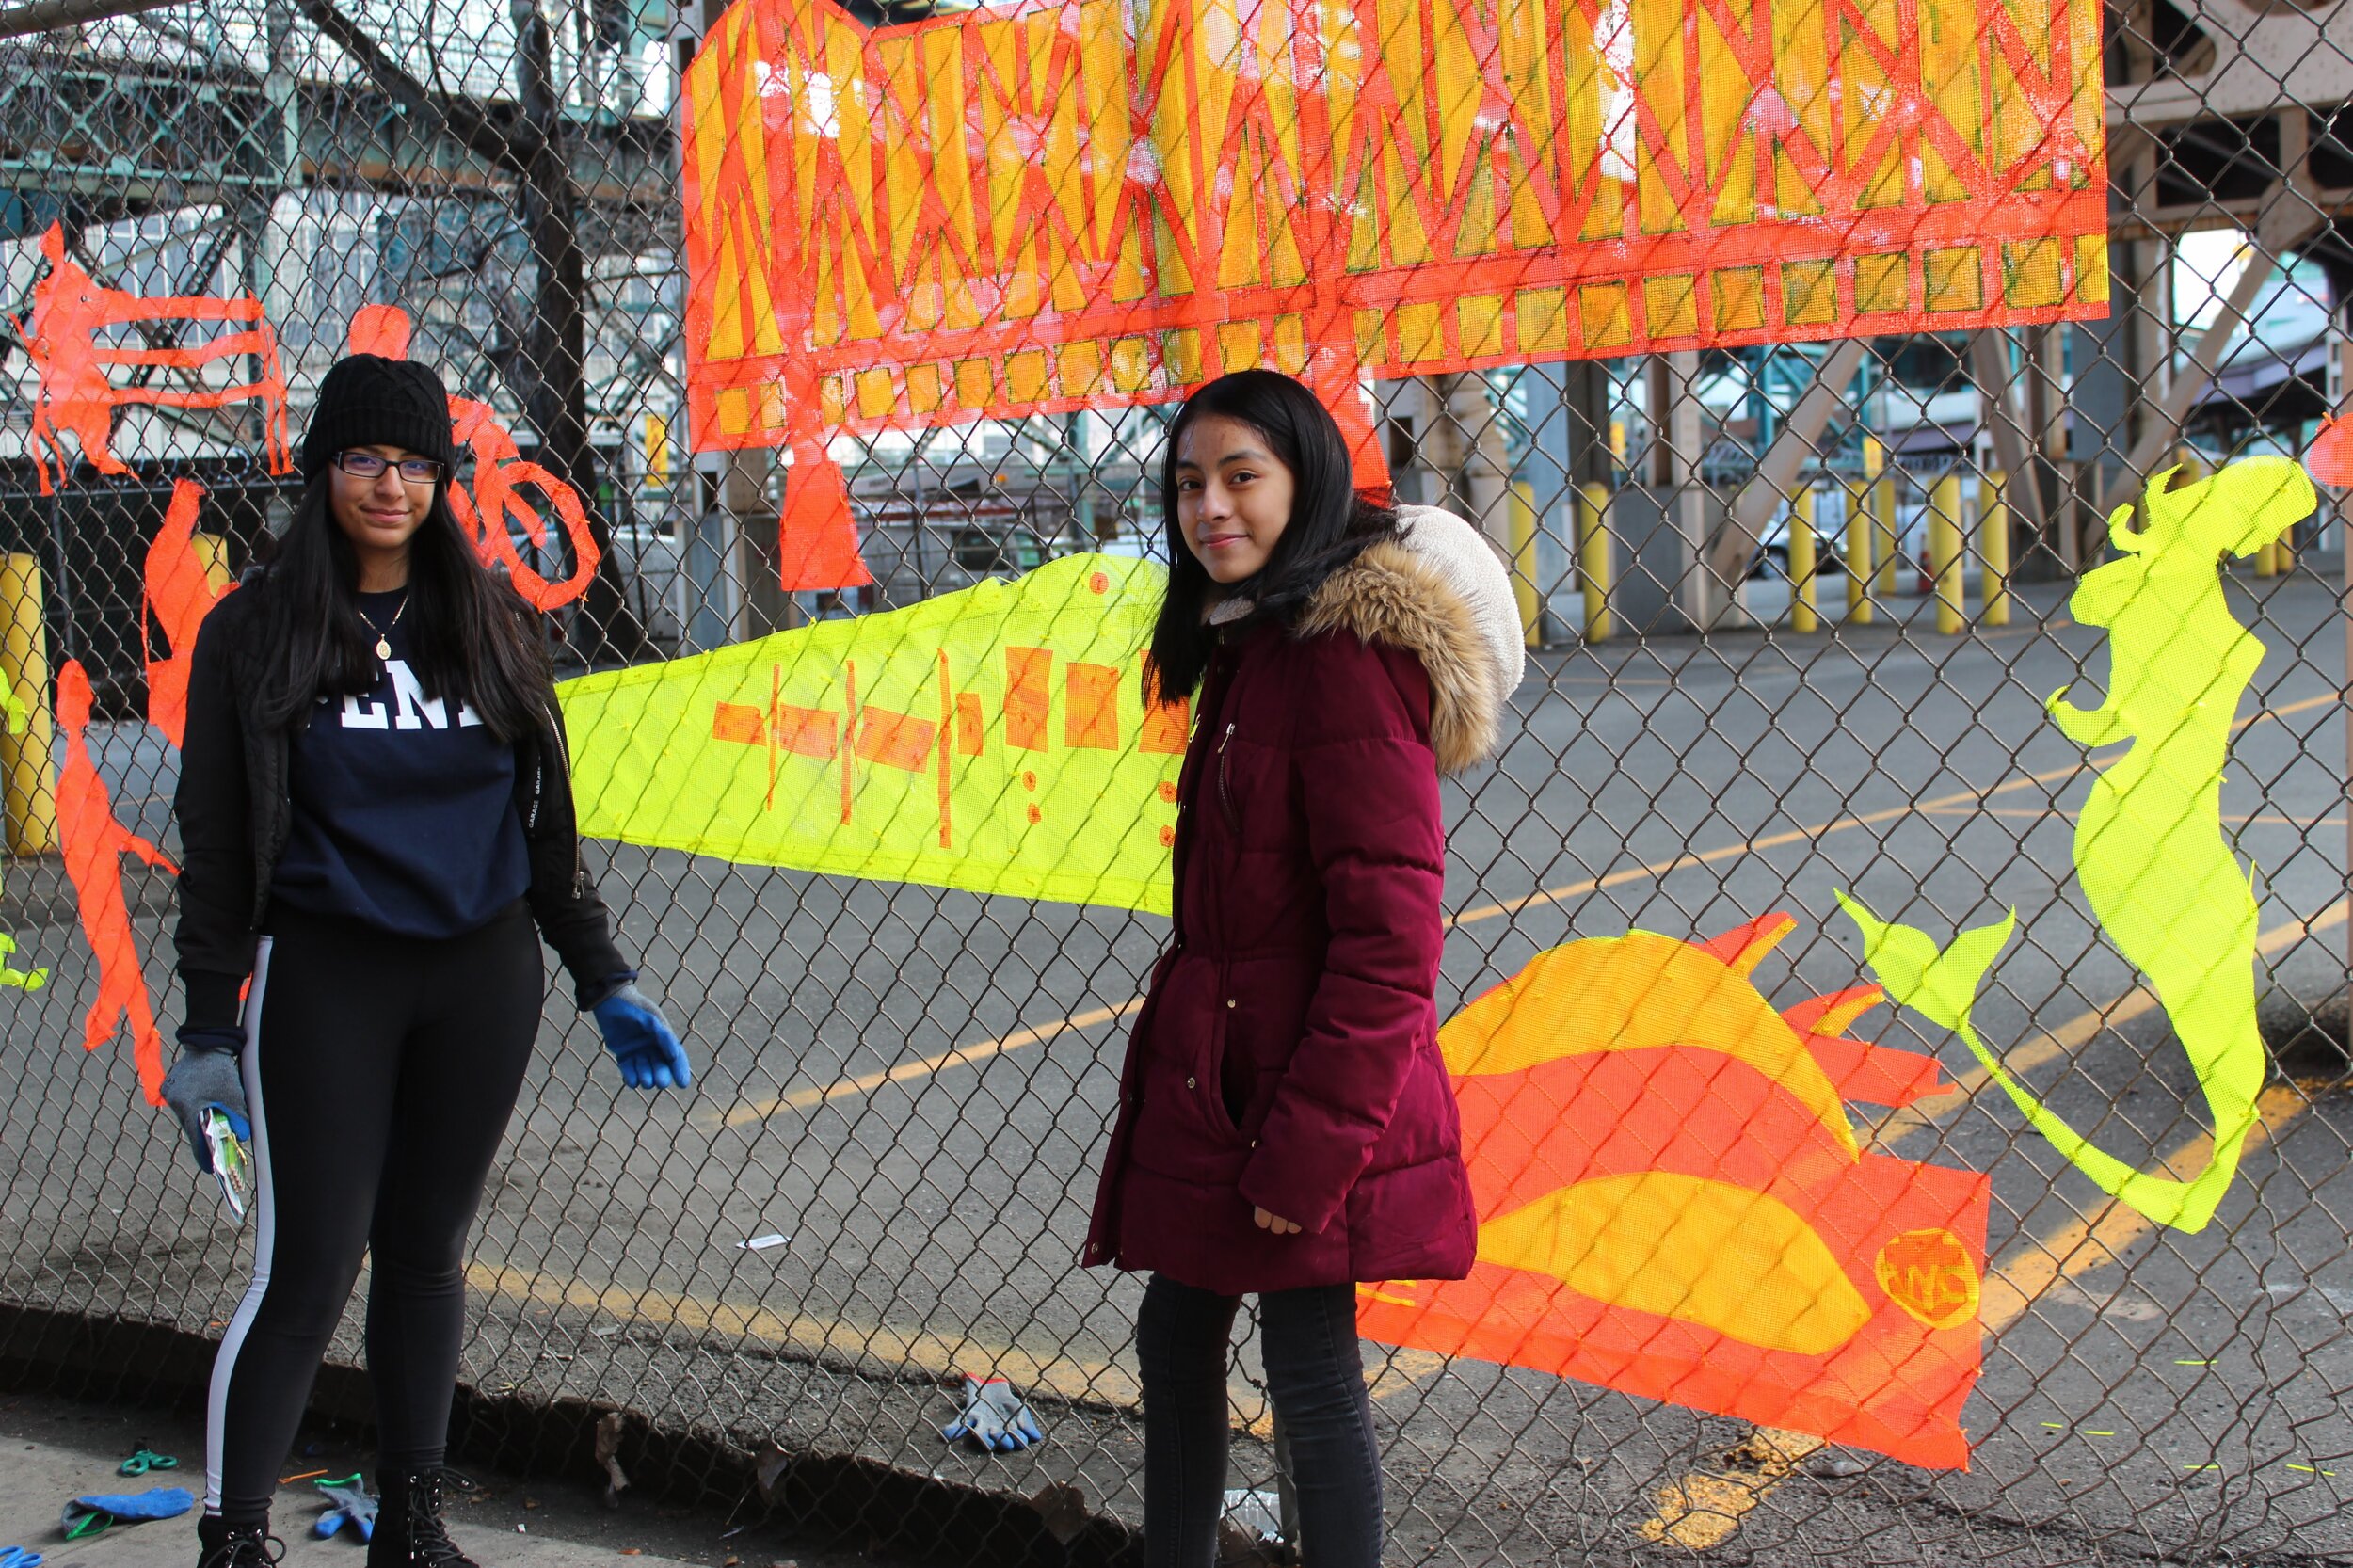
383,647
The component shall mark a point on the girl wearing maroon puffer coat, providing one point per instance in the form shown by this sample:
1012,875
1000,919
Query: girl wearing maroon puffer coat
1284,1125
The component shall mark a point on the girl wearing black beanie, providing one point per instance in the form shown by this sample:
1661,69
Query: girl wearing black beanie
375,811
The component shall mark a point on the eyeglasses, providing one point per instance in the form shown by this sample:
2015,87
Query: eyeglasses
367,465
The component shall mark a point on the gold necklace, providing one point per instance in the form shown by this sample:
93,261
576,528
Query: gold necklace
384,642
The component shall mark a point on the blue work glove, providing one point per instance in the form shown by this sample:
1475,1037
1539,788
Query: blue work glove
204,1077
88,1515
642,1041
351,1506
995,1417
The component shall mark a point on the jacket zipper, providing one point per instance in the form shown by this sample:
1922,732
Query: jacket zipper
563,760
1225,791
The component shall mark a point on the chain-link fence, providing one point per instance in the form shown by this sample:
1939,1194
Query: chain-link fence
1794,611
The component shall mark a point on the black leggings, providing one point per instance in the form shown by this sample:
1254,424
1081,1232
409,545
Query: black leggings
1315,1374
380,1072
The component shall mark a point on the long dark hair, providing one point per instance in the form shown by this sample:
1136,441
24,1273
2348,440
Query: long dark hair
474,642
1331,523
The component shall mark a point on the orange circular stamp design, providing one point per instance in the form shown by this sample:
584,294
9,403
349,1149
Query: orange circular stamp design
1101,583
1929,1275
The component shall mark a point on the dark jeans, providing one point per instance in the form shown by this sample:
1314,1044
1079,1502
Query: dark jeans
1315,1374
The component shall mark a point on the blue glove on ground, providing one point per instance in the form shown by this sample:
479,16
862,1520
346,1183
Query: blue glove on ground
202,1078
995,1417
641,1040
351,1505
88,1515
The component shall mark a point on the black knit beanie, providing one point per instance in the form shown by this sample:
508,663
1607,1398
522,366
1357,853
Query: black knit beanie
367,400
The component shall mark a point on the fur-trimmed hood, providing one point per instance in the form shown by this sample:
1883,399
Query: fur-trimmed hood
1441,593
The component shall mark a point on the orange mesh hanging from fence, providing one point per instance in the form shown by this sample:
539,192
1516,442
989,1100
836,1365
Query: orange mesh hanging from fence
1093,204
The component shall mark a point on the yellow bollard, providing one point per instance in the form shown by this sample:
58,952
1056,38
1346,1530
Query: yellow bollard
28,787
1886,545
1523,524
1592,557
1859,529
2268,559
1803,617
1945,562
1993,547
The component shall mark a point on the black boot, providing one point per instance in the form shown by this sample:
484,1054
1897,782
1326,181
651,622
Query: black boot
409,1529
222,1545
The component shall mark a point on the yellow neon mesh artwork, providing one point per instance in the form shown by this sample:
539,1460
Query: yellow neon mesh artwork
994,740
2150,850
21,980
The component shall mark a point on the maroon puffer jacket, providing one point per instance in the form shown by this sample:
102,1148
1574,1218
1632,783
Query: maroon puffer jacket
1285,1056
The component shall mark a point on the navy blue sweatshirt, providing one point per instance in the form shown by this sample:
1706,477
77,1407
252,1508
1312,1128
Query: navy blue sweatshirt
404,806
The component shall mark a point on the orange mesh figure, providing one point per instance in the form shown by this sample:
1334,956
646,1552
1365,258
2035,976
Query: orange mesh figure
180,593
498,467
95,842
76,394
2330,456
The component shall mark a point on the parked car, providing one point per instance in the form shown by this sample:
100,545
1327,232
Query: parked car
1772,552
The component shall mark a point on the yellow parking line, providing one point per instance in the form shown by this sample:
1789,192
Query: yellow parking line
960,1056
1799,835
818,1338
1703,1509
2029,1268
2261,819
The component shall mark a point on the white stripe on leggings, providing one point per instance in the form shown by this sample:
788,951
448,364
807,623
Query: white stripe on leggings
264,1233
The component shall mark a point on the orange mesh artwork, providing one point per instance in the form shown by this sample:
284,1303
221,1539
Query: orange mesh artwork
1673,1204
500,471
179,592
1099,204
2330,458
77,391
95,843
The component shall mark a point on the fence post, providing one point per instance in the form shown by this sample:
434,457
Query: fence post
1859,569
1592,557
28,787
1944,561
1524,594
1993,545
1803,615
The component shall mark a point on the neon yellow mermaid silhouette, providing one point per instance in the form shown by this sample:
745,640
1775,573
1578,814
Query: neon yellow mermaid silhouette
2149,850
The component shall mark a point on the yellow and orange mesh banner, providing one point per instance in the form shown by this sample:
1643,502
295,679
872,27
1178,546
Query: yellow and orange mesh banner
1672,1203
1103,203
